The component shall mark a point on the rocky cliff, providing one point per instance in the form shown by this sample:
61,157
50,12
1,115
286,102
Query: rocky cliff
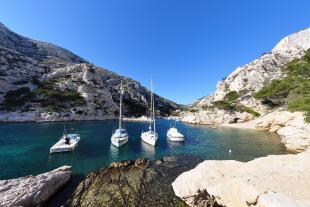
43,82
233,99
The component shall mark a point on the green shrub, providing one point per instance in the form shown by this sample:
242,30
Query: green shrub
55,100
243,92
174,113
193,110
224,105
293,89
16,98
231,96
251,111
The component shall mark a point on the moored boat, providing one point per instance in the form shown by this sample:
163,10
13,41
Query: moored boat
68,142
174,135
120,136
150,137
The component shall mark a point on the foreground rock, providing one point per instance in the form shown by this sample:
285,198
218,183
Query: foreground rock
33,190
134,183
275,180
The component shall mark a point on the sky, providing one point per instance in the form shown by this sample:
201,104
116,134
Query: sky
186,46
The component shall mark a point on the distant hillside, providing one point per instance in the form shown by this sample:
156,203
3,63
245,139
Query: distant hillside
40,81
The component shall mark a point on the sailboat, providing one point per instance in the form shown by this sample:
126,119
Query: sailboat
150,136
120,136
174,135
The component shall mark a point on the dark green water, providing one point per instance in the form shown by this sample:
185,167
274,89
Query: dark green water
24,147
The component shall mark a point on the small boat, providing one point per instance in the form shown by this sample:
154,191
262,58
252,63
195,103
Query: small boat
174,135
150,137
120,136
68,142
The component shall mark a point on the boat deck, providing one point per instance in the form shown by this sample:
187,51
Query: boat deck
61,146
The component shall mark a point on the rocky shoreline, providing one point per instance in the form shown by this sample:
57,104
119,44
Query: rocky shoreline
134,183
275,180
33,190
290,126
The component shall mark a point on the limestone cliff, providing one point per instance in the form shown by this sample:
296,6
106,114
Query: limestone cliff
43,82
240,85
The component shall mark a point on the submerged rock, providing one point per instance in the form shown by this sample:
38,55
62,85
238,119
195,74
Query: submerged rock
134,183
33,190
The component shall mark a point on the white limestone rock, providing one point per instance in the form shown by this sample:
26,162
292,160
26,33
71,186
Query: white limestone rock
216,116
33,190
293,130
239,184
253,76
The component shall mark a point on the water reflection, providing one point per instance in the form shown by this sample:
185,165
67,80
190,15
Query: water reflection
148,150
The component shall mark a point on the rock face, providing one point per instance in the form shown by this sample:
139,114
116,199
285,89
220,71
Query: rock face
43,82
275,180
216,116
250,78
291,127
134,183
33,190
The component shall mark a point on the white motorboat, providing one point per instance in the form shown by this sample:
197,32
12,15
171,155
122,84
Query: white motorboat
150,137
68,142
120,136
174,135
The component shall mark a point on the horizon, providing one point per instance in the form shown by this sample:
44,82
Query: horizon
169,40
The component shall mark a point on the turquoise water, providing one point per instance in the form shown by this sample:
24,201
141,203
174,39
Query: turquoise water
24,147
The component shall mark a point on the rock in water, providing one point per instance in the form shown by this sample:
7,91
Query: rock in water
134,183
33,190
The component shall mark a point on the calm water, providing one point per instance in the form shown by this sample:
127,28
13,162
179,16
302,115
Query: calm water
24,147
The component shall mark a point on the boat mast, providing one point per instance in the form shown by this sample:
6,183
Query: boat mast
151,102
120,107
153,106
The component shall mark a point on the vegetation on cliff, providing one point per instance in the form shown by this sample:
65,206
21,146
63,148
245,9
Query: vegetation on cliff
56,100
230,103
293,90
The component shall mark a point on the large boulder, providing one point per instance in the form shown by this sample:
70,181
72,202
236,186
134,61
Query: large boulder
134,183
275,180
33,190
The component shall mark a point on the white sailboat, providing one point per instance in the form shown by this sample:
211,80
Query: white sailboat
120,136
68,142
174,135
150,136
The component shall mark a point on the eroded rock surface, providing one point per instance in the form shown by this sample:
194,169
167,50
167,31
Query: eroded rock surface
134,183
291,126
275,180
246,80
33,190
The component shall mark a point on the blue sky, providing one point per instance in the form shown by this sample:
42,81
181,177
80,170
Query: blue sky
186,45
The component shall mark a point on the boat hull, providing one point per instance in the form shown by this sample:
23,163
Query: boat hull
61,146
175,139
119,141
149,138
